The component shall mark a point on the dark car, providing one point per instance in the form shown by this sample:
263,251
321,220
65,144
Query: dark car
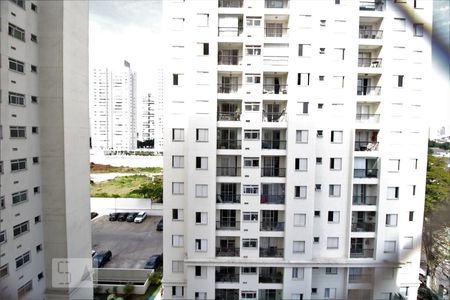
113,216
93,215
131,216
101,258
153,262
122,217
159,226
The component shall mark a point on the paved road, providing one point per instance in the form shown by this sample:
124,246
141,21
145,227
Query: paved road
131,244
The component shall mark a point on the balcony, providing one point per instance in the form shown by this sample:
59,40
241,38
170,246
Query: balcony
275,32
229,31
276,89
365,173
227,274
271,252
364,200
229,144
368,118
230,3
370,34
362,253
368,90
363,221
227,294
227,246
273,172
229,60
228,116
362,247
228,88
363,227
273,193
228,198
274,117
270,275
228,110
273,144
228,171
227,252
275,60
374,5
276,4
228,225
369,62
366,146
272,226
360,275
272,199
270,294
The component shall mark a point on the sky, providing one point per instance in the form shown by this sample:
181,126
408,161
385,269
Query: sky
131,30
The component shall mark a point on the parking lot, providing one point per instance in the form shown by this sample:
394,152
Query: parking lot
131,244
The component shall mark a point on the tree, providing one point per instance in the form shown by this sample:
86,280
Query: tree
152,190
154,278
128,289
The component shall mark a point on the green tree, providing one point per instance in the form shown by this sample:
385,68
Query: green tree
128,289
152,190
154,278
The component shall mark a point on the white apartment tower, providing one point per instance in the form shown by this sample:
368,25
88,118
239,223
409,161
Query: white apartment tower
113,116
148,118
295,149
44,145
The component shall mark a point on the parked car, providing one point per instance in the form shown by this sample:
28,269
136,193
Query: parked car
131,216
140,217
93,215
153,262
113,216
122,217
159,226
101,258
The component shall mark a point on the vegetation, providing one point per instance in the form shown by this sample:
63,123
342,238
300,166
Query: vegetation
98,168
128,289
152,190
154,278
443,146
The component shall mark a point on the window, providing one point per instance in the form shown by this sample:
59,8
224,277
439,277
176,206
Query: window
303,79
331,271
34,7
418,29
33,38
304,50
199,272
200,296
336,136
34,99
2,237
389,246
2,202
394,165
17,132
22,259
339,53
202,20
408,242
251,162
314,291
334,190
298,247
177,188
1,167
201,135
317,213
253,50
323,23
252,78
16,32
250,216
177,214
318,160
16,65
335,163
399,80
177,134
34,130
36,190
18,164
399,24
411,216
37,219
393,193
16,99
300,191
26,288
316,240
321,51
39,248
319,133
333,216
201,190
201,245
33,69
251,106
248,294
299,220
301,136
177,161
297,296
414,163
177,240
21,228
332,243
40,276
305,21
298,273
250,189
4,271
253,21
248,270
177,291
391,220
20,3
418,4
249,243
251,135
330,293
319,105
177,79
303,107
35,160
177,266
201,163
301,164
318,187
201,218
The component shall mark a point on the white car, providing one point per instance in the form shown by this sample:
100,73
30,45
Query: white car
140,217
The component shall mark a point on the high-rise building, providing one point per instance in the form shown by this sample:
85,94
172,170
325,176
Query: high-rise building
295,149
44,136
148,118
113,116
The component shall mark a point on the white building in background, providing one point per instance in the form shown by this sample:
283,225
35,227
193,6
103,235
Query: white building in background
295,148
113,116
159,111
148,118
44,147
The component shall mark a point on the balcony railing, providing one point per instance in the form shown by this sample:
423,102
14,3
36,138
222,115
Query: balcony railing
225,277
364,200
271,252
273,172
273,144
368,90
230,60
228,252
371,5
365,173
228,171
370,34
274,117
275,60
368,117
228,88
228,225
369,62
275,32
360,278
228,198
361,253
275,89
272,226
272,199
230,31
366,146
228,116
228,144
363,227
230,3
275,4
271,278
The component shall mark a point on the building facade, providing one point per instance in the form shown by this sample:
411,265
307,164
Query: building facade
295,148
113,115
44,149
148,118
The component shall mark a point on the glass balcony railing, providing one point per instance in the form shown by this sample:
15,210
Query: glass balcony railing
365,173
363,227
369,62
228,116
273,172
361,253
231,3
367,5
228,144
273,144
226,277
271,278
364,200
275,89
227,252
276,32
368,118
228,88
366,146
230,60
271,252
228,225
274,117
228,198
228,171
368,90
276,4
272,199
370,34
230,31
272,226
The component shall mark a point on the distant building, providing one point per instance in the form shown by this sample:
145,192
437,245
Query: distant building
113,108
158,121
148,118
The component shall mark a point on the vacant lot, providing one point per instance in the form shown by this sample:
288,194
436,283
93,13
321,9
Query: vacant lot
120,187
131,244
99,168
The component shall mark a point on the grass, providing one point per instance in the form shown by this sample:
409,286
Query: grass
119,187
98,168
